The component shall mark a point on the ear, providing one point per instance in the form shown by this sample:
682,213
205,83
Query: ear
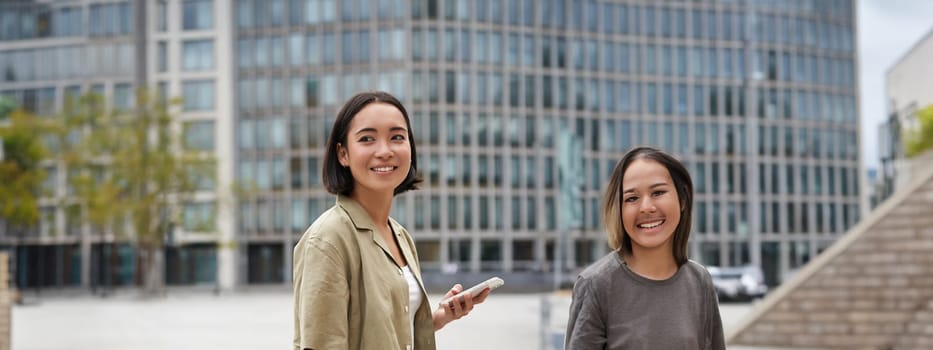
342,156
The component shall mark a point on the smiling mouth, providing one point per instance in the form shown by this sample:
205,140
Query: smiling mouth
383,169
650,225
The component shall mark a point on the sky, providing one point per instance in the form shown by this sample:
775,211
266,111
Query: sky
887,29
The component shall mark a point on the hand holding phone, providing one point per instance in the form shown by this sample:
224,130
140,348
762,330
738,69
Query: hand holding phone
491,283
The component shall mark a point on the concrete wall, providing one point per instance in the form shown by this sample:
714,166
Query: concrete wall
908,81
6,301
873,289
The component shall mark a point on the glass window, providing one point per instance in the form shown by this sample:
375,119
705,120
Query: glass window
295,49
651,59
329,12
261,51
528,52
162,15
649,19
277,51
667,99
349,39
198,217
385,44
513,48
244,14
297,92
531,172
312,14
125,18
624,101
276,12
197,14
197,55
278,173
330,41
532,213
433,48
75,21
682,99
262,92
122,96
313,51
198,95
467,213
363,44
651,92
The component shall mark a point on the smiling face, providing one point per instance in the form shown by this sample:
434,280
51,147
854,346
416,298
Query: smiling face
377,149
650,207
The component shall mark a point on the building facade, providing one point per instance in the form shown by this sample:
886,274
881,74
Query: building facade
520,109
907,89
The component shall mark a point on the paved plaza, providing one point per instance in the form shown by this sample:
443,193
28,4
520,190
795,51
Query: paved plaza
259,319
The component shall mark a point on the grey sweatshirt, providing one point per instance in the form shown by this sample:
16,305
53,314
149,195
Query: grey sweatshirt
615,308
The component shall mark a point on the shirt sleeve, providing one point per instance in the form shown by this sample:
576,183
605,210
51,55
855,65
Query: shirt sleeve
586,328
322,297
716,337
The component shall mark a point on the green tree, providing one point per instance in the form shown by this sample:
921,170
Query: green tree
130,173
917,141
20,174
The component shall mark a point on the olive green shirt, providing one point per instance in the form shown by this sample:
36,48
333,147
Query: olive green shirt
349,293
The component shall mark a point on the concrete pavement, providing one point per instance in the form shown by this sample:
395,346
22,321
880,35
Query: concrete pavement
260,320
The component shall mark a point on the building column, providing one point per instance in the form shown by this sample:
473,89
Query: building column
229,245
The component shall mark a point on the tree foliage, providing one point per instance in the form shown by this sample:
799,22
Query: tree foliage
20,174
129,172
917,141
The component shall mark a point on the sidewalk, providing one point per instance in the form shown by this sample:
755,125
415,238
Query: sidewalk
257,320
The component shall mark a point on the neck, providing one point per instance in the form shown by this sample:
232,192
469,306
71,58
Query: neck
377,205
656,264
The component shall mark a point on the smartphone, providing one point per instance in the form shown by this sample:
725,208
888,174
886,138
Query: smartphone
491,283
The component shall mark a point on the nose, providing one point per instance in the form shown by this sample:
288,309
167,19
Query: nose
647,205
383,150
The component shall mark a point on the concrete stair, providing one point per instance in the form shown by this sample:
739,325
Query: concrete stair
919,331
873,289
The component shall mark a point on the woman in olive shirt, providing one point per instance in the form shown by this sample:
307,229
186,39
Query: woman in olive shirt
356,272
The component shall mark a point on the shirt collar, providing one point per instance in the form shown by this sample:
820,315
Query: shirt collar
358,215
363,222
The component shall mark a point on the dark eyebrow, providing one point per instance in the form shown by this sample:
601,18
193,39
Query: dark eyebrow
659,184
393,129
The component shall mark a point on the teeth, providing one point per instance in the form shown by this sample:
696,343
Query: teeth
651,224
383,169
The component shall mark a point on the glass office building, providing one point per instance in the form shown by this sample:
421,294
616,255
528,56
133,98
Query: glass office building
520,109
53,51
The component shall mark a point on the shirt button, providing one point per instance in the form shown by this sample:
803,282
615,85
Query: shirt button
406,309
407,347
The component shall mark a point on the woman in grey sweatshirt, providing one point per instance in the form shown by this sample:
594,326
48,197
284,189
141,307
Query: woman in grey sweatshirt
646,294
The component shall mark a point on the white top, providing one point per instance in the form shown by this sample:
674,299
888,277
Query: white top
414,298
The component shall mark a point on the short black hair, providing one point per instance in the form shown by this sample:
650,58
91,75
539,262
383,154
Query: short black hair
612,217
337,178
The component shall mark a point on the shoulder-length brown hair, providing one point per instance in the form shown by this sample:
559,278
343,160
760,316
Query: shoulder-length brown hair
612,215
337,178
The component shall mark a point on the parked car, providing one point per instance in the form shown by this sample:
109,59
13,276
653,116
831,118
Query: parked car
738,283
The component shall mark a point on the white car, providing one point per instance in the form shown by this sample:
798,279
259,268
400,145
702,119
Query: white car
738,283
